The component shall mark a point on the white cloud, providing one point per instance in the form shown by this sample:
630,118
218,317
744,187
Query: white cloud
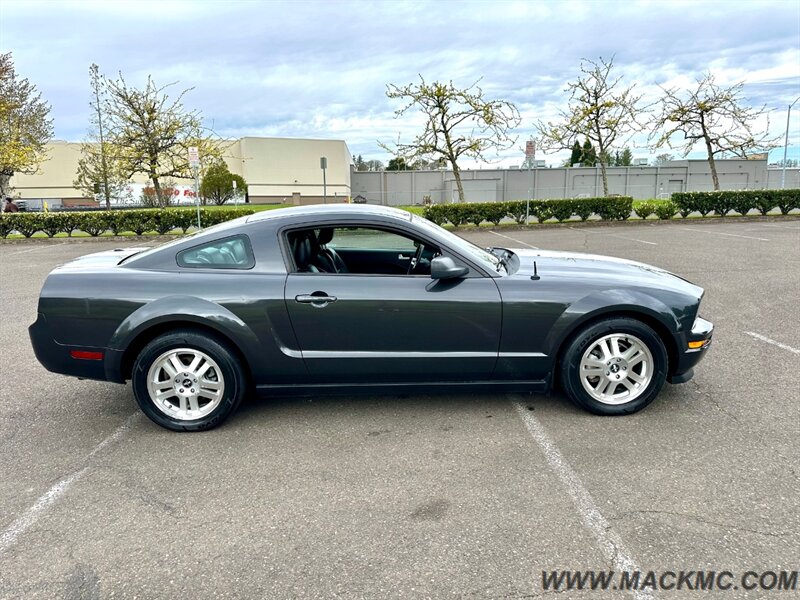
320,68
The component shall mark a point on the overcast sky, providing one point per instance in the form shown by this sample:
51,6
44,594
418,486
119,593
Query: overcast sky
320,69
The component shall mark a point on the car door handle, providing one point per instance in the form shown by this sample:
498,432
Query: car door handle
314,299
403,257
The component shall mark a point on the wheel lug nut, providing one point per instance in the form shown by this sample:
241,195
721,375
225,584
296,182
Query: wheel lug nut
607,373
193,390
617,376
181,390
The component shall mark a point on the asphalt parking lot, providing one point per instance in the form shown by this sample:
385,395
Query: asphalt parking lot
447,496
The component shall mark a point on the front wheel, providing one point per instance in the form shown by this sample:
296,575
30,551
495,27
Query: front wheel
188,381
613,367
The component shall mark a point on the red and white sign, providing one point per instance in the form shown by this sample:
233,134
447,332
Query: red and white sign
530,148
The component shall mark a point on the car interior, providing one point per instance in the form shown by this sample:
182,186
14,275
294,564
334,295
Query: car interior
226,253
359,250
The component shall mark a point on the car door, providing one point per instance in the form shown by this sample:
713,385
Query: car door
385,326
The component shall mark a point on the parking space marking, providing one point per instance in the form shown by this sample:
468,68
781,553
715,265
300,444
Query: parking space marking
763,338
749,237
39,248
514,240
610,542
30,516
622,237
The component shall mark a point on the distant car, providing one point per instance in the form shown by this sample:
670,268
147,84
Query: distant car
341,298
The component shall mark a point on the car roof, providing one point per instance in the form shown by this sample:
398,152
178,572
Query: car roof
333,210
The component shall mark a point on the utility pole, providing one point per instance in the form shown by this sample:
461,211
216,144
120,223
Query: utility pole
786,144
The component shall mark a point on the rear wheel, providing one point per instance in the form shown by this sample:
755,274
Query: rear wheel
613,367
188,381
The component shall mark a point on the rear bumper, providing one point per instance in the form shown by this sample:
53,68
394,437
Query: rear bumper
701,333
56,357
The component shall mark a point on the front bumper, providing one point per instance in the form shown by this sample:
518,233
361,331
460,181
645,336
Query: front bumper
692,347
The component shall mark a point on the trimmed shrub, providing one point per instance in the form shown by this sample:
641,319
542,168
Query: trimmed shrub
644,208
614,209
786,200
666,210
741,201
583,207
561,210
51,224
541,211
517,210
495,212
6,226
435,213
95,223
184,219
26,223
162,221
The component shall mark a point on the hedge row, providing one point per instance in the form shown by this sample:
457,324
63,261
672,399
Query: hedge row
609,209
97,222
742,202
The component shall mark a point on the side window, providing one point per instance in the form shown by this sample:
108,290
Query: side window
228,253
359,251
362,238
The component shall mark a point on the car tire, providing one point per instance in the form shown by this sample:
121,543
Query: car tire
616,366
188,380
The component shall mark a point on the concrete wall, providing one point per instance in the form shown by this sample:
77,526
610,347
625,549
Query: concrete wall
486,185
274,168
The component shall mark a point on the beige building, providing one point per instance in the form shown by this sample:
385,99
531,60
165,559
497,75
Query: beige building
277,170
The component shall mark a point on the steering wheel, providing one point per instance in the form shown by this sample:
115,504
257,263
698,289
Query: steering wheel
414,261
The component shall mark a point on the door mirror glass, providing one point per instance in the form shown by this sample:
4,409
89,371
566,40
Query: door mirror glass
444,267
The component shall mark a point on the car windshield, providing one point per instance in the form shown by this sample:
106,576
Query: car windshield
469,249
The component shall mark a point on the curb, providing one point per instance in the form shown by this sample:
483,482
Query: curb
144,239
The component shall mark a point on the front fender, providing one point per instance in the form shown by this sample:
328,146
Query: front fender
178,309
612,301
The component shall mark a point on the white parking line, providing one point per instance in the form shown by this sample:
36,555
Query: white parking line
30,516
758,336
39,248
610,542
616,235
749,237
514,240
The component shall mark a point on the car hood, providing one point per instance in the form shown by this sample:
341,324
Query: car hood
595,267
108,258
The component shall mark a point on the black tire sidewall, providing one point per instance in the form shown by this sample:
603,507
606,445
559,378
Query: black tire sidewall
570,365
229,366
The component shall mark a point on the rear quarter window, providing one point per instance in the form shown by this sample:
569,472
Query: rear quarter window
233,252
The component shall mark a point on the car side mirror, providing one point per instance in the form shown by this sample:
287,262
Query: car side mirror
444,267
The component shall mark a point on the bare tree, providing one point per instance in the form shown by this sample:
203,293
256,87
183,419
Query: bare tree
713,116
25,125
98,168
458,122
152,133
600,110
662,159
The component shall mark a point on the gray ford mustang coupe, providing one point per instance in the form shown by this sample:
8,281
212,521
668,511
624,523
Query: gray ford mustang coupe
342,298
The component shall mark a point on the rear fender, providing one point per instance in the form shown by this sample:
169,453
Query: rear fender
183,309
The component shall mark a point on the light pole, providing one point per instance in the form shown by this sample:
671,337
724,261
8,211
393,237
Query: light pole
323,164
786,144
